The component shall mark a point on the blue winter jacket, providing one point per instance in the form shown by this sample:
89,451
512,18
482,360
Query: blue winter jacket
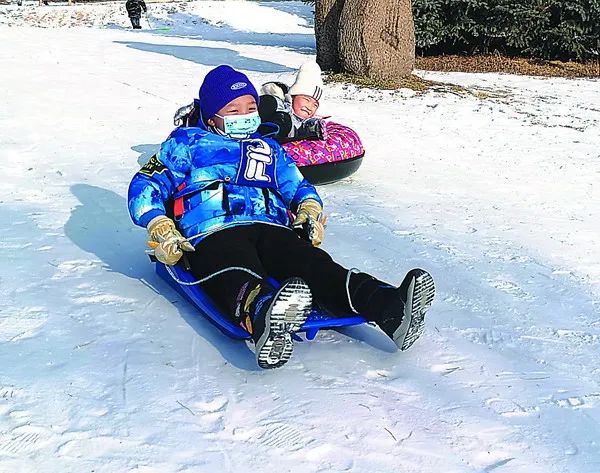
215,182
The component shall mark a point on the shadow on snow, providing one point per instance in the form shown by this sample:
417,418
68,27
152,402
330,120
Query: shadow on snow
101,225
209,56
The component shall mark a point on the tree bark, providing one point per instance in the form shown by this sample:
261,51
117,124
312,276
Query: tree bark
376,38
327,25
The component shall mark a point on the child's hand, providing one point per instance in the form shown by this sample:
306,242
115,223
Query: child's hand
310,221
166,241
312,129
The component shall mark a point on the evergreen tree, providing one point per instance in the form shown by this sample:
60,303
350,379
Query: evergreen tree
549,29
545,29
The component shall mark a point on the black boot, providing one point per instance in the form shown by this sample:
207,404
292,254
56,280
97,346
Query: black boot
399,312
403,319
276,317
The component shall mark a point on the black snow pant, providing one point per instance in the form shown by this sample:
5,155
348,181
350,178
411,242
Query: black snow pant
280,253
135,22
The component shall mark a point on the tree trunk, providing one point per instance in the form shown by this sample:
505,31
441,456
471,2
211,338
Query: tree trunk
327,24
377,38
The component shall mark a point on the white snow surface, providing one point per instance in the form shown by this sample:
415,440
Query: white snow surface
495,191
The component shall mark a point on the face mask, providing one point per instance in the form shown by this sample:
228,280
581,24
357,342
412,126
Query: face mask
241,124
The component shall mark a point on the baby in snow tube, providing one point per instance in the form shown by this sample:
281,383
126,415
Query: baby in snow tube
309,139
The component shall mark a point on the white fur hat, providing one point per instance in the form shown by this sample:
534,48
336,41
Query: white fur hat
308,81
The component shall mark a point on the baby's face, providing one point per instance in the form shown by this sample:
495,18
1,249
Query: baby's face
304,106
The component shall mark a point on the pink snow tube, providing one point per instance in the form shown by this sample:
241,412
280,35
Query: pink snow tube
323,161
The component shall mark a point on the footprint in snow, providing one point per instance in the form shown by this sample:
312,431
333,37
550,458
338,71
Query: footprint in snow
20,323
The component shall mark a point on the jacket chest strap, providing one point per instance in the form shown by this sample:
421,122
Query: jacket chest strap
178,207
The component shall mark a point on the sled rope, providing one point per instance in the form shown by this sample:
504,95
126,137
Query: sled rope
350,271
252,273
210,276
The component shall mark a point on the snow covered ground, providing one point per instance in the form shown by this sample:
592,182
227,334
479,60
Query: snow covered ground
105,369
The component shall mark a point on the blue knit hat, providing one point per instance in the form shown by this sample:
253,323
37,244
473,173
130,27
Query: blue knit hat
220,86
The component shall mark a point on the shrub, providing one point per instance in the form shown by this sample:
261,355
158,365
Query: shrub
545,29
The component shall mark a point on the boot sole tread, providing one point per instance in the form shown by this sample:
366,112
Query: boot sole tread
288,313
421,299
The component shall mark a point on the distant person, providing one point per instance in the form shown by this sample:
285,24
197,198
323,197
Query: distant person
134,10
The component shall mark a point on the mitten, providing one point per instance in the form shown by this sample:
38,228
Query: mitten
310,221
166,241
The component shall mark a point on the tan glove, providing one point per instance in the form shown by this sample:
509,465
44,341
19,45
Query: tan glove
310,219
166,241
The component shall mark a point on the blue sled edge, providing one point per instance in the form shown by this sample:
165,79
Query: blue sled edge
316,321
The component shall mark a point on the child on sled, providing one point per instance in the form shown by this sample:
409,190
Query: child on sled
222,193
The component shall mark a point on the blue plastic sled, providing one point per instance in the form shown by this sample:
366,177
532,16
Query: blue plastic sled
316,321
